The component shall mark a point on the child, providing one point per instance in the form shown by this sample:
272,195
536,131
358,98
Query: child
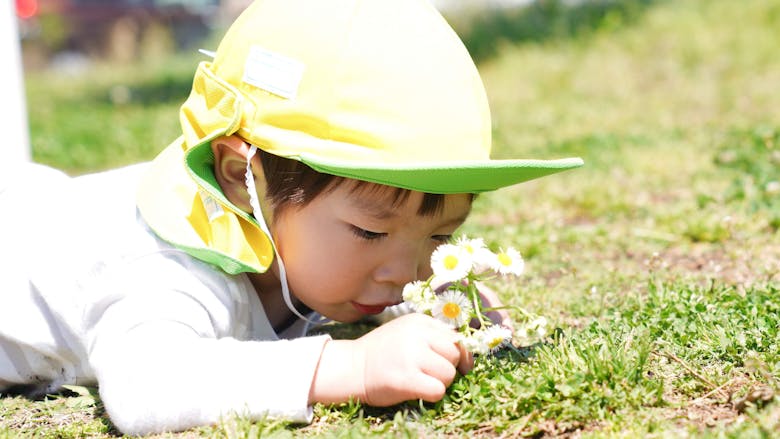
182,287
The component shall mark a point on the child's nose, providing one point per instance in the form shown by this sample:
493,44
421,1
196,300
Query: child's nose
401,268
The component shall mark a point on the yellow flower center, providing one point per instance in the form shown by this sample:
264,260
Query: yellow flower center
450,262
504,259
450,310
495,342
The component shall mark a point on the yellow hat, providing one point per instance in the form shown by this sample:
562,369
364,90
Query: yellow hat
376,90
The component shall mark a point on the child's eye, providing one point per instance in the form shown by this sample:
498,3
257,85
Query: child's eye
367,234
444,239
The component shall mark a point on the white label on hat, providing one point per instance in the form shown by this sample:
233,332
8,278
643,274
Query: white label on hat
213,209
272,72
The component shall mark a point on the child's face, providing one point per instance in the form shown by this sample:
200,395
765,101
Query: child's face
349,253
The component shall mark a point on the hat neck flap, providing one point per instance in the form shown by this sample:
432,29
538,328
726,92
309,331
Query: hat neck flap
187,210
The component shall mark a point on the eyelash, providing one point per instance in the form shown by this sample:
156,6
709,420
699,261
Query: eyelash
373,236
367,234
442,239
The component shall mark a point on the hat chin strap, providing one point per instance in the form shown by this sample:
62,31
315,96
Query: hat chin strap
255,203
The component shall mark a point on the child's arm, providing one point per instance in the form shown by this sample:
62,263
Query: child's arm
147,387
167,342
411,357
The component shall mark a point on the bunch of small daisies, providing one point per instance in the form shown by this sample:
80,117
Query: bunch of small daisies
457,268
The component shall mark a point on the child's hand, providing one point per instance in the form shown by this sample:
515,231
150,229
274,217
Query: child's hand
411,357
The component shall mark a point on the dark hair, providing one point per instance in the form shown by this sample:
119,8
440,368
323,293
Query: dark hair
292,183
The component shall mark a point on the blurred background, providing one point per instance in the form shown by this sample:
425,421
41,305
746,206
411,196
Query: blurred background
57,32
115,71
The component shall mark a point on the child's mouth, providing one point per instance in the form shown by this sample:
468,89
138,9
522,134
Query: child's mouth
370,309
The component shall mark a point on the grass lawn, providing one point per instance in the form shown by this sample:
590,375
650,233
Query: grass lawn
657,264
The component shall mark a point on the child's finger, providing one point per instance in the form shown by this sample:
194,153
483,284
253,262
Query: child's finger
466,360
439,368
429,388
445,343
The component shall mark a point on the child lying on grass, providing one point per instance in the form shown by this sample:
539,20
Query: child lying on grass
329,147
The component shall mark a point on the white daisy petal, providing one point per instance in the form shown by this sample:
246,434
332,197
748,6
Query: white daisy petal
494,336
532,331
453,308
484,260
509,261
481,256
471,245
450,263
474,343
419,295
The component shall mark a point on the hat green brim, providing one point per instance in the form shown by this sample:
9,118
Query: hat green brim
438,178
447,177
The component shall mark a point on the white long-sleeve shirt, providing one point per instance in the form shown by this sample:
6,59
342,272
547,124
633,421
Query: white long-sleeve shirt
89,295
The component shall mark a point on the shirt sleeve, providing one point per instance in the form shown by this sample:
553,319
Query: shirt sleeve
165,341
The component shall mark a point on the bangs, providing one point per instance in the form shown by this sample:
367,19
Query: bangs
292,183
432,204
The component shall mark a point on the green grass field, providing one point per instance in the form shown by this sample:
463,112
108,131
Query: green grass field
658,263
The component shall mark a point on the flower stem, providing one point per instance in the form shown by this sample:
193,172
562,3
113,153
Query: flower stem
477,303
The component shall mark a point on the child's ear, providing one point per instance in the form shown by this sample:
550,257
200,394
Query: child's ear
230,154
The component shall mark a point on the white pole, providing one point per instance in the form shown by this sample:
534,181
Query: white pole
15,146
